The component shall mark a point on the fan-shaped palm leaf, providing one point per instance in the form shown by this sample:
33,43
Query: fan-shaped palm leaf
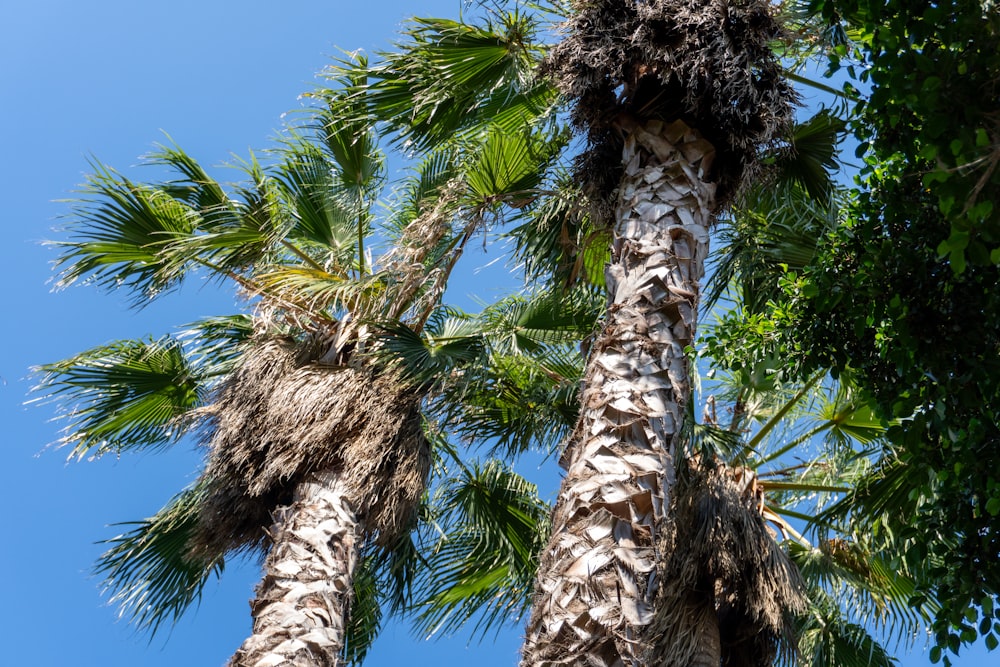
828,639
117,234
149,571
127,395
449,76
556,240
511,164
480,565
810,158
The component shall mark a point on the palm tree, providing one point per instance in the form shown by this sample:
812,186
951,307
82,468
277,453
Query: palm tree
641,77
316,451
677,99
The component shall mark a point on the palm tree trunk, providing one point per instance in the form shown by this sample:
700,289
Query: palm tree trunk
302,601
596,584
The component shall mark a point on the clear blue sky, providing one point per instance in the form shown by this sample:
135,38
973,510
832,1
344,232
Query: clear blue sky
105,78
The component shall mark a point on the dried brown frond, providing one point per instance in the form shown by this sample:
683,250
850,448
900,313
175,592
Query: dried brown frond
282,416
406,263
719,556
706,62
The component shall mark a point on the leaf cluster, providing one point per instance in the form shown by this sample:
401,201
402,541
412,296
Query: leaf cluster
904,291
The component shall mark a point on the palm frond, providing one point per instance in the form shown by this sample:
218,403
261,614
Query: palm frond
427,358
418,192
768,232
511,164
217,343
865,584
518,403
127,395
196,188
810,156
524,323
314,290
481,565
325,210
364,618
346,129
148,570
557,241
118,231
447,73
827,639
238,233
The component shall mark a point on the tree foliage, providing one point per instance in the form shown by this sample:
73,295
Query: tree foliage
902,291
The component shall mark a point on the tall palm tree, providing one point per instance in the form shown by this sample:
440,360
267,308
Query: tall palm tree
641,76
677,99
316,451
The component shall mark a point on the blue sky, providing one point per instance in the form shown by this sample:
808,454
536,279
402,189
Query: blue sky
107,78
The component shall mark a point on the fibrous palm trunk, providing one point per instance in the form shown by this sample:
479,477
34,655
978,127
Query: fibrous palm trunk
596,585
303,599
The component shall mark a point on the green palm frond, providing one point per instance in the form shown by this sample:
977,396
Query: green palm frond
557,241
419,191
767,233
118,231
827,639
865,584
882,493
711,441
481,565
536,104
525,323
196,188
448,74
810,157
510,165
233,235
851,416
518,403
217,343
346,129
128,395
431,355
148,571
326,211
315,292
364,617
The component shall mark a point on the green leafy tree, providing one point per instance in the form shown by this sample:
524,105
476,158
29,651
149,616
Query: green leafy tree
902,291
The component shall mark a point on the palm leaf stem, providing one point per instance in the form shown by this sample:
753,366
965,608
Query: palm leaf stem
825,426
806,81
772,515
777,417
361,238
291,247
784,511
456,249
799,486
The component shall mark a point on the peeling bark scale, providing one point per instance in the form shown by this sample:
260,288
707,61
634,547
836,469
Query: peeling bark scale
303,598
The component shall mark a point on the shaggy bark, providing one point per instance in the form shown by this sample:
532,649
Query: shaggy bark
302,601
597,584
